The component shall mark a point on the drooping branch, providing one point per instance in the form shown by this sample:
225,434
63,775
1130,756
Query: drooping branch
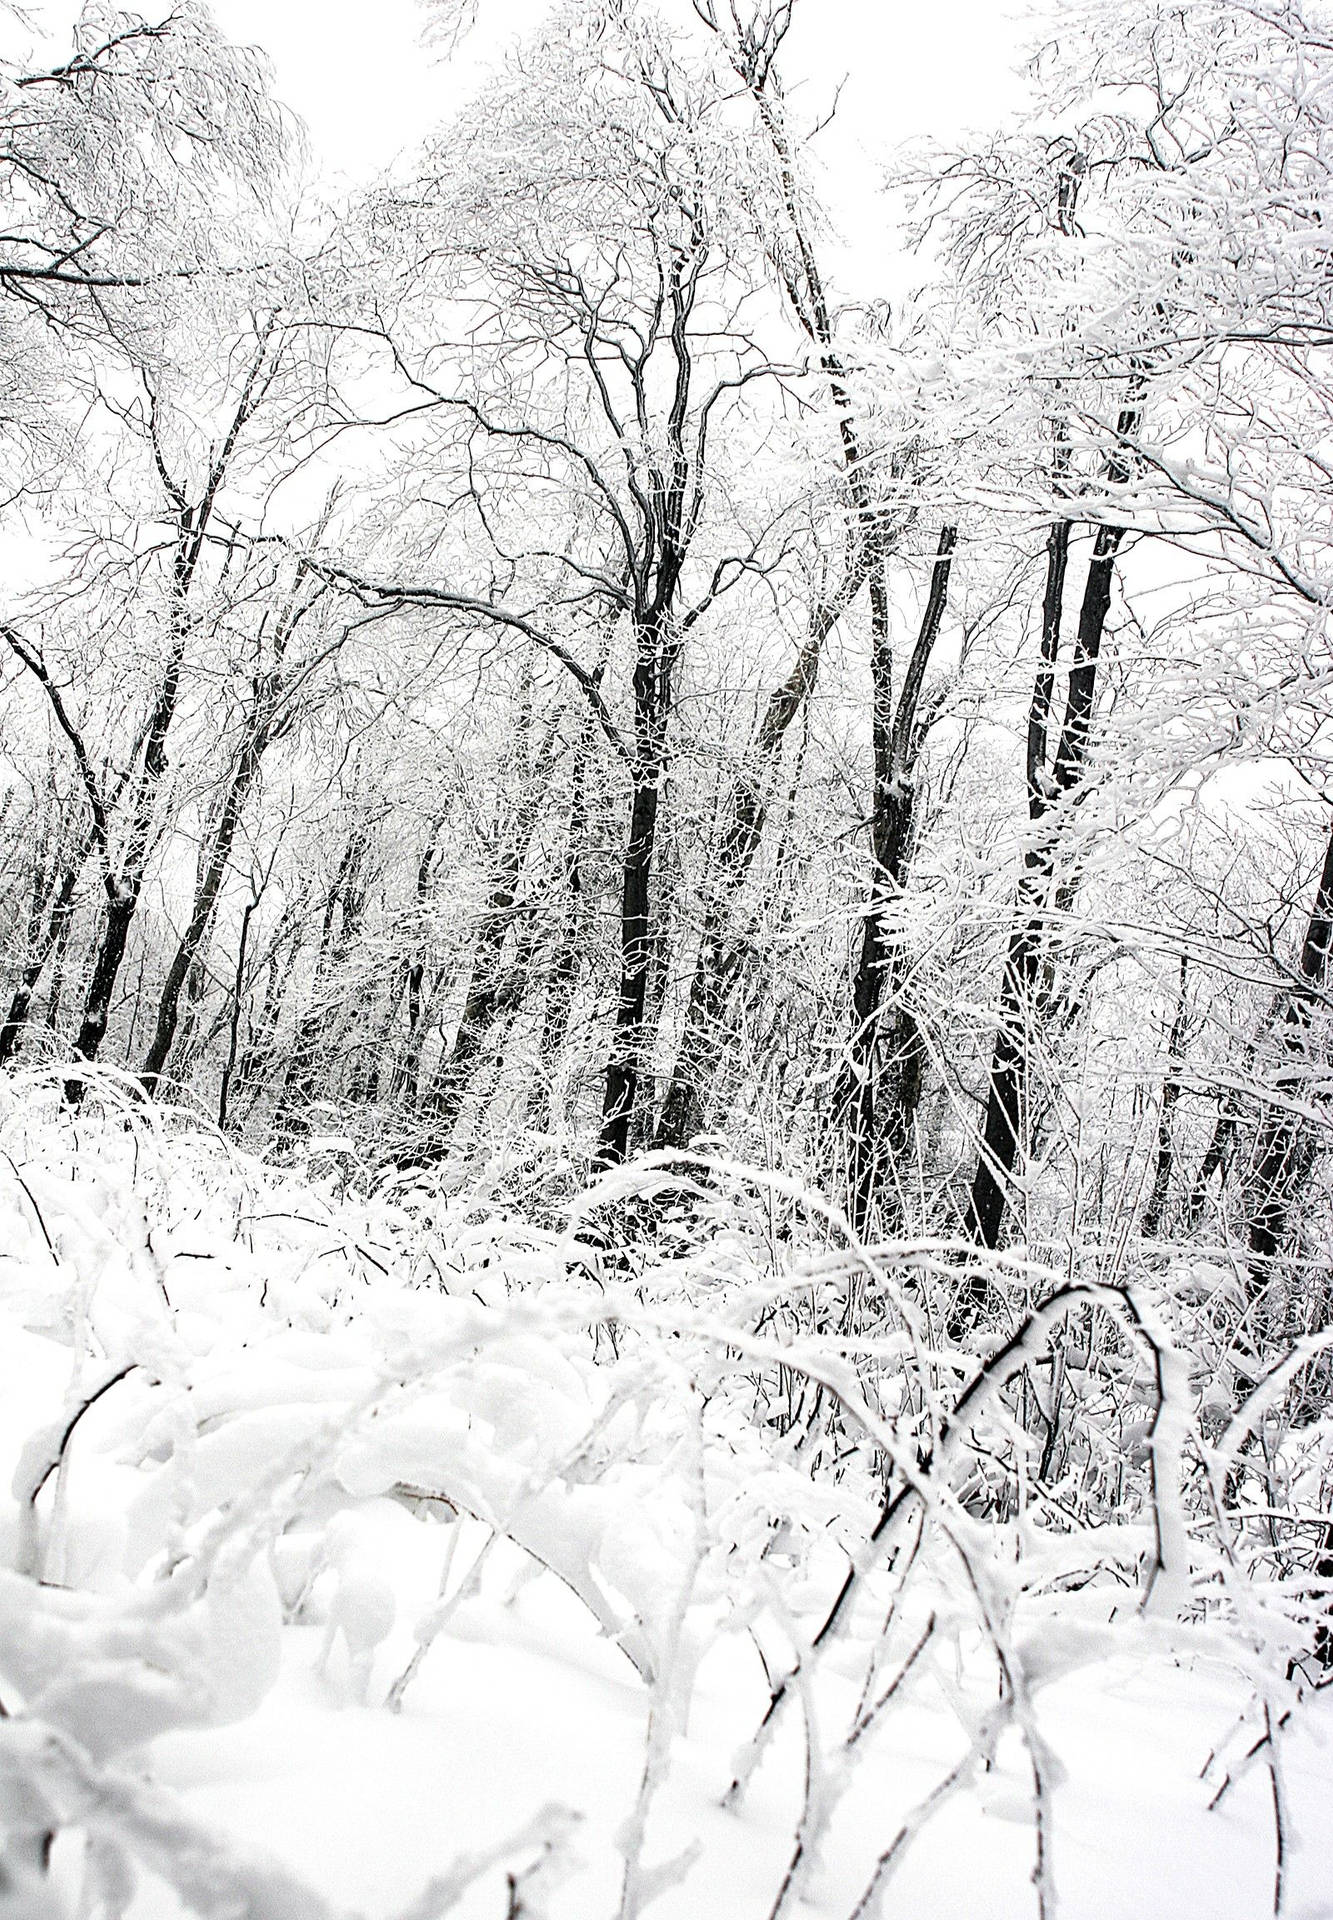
393,595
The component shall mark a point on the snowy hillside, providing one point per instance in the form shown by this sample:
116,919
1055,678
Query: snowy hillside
378,1554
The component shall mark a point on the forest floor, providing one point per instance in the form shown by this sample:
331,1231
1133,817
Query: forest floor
236,1553
519,1710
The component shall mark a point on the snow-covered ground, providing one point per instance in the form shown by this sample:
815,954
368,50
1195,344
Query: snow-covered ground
384,1556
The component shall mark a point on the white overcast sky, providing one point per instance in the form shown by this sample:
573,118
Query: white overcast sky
360,78
361,81
366,88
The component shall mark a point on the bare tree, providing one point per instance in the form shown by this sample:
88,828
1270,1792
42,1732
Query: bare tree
615,262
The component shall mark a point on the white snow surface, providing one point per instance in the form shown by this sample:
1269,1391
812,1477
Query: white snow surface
382,1556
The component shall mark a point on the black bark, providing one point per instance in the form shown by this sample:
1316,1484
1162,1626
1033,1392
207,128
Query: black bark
1288,1141
883,1073
205,900
1002,1130
625,1064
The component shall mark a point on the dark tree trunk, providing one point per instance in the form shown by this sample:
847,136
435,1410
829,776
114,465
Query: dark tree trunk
1003,1127
1287,1142
1047,785
123,890
879,969
563,973
205,900
625,1062
122,903
238,992
192,526
625,1065
408,1076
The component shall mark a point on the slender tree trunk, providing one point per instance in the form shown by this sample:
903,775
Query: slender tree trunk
238,992
205,900
56,993
563,973
310,1041
662,950
624,1068
407,1080
1003,1127
494,1011
122,903
189,1038
123,890
1287,1143
192,525
880,963
1164,1158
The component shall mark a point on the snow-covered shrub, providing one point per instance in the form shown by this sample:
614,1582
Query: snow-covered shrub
244,1403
